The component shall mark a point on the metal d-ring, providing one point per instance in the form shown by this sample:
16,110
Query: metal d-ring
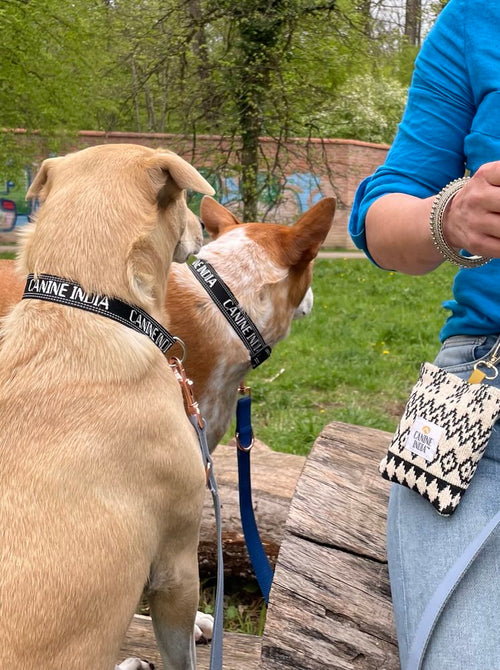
490,366
240,446
183,347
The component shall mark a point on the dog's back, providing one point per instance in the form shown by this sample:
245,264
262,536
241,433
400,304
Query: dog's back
102,481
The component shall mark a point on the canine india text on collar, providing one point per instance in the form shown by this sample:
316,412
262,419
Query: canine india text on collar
55,289
242,324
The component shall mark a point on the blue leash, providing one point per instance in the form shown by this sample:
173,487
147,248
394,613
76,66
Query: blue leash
442,594
244,441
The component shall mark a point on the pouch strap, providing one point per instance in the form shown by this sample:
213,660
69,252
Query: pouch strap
442,594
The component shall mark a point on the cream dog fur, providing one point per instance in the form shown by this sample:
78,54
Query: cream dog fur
102,478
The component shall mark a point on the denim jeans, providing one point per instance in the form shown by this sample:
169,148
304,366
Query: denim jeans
422,546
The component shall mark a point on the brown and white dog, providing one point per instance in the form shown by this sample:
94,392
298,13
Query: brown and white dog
268,268
102,479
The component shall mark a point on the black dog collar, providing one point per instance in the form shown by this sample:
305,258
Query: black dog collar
240,321
64,292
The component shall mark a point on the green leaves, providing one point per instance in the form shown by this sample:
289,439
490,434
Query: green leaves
243,70
167,66
51,63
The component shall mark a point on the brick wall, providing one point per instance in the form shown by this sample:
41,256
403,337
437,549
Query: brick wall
309,169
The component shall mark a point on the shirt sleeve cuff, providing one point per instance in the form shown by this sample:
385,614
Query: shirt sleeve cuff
357,219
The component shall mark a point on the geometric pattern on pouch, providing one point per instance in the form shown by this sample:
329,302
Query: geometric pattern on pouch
466,413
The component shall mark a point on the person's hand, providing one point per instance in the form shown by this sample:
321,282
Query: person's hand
472,218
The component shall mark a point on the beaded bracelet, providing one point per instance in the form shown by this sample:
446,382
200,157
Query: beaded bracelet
441,201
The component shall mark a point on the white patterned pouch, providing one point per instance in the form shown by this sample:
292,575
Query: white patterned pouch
441,436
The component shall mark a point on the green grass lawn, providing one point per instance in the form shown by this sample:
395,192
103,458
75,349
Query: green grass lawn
355,358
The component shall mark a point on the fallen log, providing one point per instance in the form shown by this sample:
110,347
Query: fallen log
240,651
274,477
330,603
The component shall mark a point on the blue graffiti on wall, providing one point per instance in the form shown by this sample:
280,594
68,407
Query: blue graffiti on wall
304,186
303,189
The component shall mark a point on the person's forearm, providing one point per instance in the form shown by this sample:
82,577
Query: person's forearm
398,234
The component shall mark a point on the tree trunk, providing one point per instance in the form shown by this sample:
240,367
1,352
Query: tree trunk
250,132
253,86
413,21
261,26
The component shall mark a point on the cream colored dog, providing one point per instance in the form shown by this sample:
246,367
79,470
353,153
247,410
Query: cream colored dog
102,481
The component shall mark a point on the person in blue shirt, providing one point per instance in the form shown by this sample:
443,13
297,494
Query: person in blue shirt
412,215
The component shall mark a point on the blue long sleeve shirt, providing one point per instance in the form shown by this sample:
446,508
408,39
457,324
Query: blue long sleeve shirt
451,123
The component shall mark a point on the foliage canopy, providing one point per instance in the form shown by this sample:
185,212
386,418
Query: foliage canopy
283,68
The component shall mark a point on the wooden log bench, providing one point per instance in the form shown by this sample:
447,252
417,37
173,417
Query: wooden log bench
330,601
241,652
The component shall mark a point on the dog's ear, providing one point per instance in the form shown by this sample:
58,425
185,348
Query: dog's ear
309,232
215,217
169,169
38,187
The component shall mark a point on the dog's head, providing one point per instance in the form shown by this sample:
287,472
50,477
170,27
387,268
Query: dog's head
113,217
267,266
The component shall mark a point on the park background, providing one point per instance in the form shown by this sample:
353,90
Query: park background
278,103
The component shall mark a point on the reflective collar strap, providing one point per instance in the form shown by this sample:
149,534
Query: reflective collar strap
64,292
242,324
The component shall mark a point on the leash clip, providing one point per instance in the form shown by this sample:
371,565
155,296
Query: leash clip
243,419
186,384
242,447
243,389
478,375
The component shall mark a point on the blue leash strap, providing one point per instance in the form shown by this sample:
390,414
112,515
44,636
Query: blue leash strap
244,441
442,594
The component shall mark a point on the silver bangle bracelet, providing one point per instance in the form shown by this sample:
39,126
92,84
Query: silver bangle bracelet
441,201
